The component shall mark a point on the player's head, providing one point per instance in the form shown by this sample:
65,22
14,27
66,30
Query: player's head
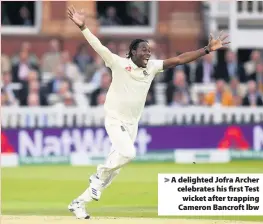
139,52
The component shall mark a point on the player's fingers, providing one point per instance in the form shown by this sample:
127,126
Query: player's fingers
73,8
220,34
223,38
225,43
70,12
211,37
224,47
70,16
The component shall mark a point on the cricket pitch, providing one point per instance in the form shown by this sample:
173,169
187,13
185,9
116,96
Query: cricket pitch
107,220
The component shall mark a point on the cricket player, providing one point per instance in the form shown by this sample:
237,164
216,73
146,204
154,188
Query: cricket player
125,100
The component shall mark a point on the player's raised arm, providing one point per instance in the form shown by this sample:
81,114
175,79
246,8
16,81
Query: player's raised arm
213,45
79,19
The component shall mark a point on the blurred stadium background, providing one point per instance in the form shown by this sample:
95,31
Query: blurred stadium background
53,80
53,89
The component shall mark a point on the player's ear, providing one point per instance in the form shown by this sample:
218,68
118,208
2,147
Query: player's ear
133,52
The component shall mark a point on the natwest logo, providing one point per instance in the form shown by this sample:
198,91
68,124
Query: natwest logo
59,142
41,143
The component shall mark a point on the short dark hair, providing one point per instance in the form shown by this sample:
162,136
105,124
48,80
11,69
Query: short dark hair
133,46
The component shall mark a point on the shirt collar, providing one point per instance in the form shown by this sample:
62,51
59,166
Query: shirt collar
132,64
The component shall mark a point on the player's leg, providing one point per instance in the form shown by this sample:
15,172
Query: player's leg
122,153
105,173
77,206
110,179
112,175
132,129
97,183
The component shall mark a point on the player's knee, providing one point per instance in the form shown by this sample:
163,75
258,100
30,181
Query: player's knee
130,153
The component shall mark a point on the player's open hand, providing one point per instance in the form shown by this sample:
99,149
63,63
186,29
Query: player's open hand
77,17
218,43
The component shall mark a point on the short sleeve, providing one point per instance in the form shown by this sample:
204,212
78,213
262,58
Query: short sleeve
157,66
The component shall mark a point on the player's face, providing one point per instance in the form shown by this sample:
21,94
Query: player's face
143,54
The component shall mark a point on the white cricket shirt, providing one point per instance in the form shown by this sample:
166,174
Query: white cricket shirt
127,94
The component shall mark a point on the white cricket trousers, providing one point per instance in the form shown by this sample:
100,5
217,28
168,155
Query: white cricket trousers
122,137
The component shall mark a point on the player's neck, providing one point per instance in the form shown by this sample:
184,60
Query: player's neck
135,62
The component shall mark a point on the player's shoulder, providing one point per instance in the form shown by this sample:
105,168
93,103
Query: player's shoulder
120,62
122,59
117,60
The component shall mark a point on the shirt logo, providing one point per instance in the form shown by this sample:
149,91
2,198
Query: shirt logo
145,73
128,68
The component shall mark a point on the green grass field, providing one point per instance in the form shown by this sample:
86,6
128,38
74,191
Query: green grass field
47,190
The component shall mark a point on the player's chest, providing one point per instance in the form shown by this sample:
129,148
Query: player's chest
137,74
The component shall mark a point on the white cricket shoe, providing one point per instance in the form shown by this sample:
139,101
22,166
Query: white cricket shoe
77,207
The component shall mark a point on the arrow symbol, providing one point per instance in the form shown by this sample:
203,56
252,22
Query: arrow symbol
166,180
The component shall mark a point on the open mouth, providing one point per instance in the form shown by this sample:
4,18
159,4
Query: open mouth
145,61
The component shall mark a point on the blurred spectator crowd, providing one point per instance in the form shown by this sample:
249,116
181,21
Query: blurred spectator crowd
58,78
17,13
127,14
132,17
